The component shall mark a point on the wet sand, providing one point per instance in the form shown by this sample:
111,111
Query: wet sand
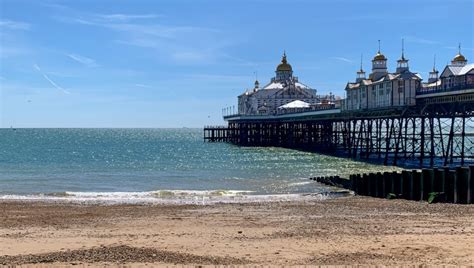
341,231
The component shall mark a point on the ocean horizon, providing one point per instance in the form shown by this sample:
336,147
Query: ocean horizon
157,165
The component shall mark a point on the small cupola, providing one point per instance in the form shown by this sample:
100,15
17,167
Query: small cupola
433,76
360,73
459,59
402,63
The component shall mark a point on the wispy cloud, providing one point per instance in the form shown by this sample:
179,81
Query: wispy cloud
462,48
343,59
142,85
14,25
419,40
10,51
182,44
83,60
126,17
50,80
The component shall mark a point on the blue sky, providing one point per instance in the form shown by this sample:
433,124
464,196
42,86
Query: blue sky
178,63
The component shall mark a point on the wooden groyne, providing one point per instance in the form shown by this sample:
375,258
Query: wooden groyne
432,185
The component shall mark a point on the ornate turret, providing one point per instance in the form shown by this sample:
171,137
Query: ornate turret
402,63
379,65
459,59
433,77
257,84
284,70
360,73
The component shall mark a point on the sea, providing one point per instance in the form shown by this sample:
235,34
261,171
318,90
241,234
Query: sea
156,166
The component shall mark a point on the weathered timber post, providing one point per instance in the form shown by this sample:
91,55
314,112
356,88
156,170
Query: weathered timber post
397,182
439,180
453,187
407,181
386,184
427,182
470,192
379,185
417,185
371,184
463,181
363,185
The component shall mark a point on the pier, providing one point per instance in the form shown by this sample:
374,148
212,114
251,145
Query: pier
437,131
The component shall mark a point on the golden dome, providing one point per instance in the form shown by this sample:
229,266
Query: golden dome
379,56
459,57
284,66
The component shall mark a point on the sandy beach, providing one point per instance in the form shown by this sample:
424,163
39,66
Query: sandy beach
341,231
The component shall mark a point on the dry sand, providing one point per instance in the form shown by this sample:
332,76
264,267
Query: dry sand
342,231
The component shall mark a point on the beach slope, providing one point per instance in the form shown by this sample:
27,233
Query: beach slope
341,231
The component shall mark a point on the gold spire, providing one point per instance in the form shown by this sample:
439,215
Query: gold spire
379,55
284,66
459,56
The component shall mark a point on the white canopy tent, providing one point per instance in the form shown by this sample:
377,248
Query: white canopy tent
295,104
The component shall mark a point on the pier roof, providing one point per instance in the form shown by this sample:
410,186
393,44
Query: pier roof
457,70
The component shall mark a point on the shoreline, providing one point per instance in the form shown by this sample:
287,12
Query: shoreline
338,231
174,197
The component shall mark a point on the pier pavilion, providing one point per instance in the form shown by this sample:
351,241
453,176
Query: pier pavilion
282,89
436,127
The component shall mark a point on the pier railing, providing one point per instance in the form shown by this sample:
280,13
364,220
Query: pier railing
444,90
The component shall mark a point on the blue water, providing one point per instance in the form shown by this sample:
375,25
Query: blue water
114,162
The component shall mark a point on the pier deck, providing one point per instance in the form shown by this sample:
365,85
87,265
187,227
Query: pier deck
438,130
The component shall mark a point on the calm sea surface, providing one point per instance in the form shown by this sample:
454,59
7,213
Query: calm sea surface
154,164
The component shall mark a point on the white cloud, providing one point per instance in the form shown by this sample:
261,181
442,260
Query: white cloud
9,51
343,59
50,80
419,40
126,17
14,25
182,44
457,48
83,60
142,85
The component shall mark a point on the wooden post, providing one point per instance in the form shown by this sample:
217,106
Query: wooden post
463,182
439,180
407,181
417,185
379,185
470,192
427,182
363,185
386,184
453,187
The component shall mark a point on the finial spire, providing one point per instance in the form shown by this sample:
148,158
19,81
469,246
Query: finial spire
403,48
361,62
283,59
434,63
459,49
379,46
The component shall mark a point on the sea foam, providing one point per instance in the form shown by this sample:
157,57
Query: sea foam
168,197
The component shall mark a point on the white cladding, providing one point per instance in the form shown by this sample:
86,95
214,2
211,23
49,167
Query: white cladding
383,89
